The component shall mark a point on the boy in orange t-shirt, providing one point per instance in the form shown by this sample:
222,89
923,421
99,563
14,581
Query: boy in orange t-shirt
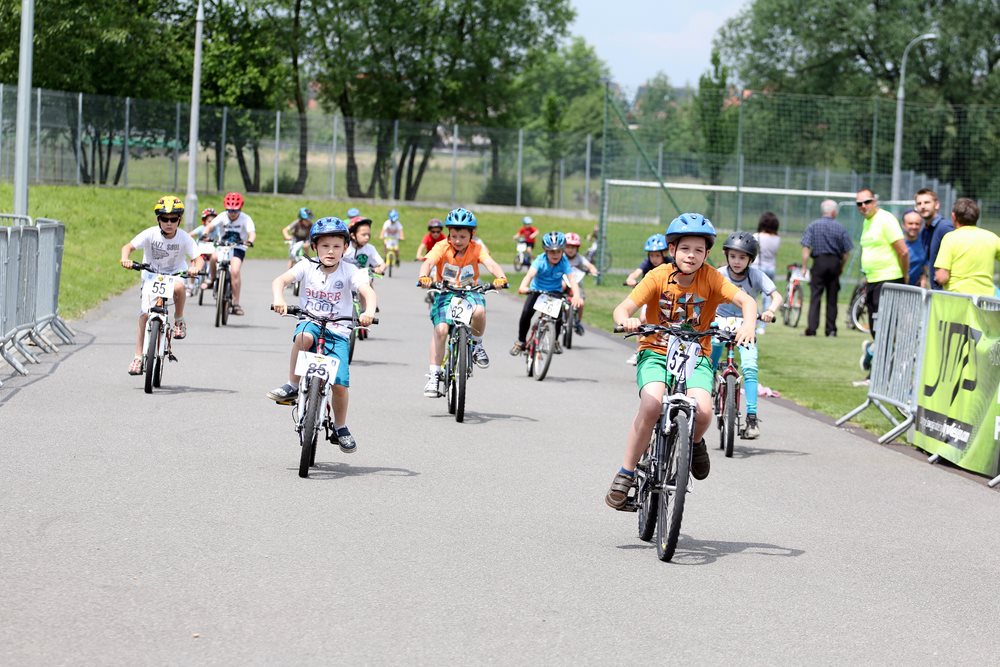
684,291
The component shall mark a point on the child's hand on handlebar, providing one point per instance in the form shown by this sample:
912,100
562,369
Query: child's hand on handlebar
425,281
500,283
631,324
279,306
126,263
746,335
767,316
365,319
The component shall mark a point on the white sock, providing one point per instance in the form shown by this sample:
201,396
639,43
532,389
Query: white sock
435,369
477,339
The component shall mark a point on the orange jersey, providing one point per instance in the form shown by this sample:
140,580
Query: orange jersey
668,303
463,270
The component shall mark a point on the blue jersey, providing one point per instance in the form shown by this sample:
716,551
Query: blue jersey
548,277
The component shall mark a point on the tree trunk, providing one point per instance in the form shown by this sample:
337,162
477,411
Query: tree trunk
413,184
300,104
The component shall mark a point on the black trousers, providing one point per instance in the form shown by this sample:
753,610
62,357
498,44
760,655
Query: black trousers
872,296
825,278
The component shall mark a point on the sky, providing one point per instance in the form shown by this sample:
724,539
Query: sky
638,38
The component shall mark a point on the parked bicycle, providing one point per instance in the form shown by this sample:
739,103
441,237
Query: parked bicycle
157,295
540,344
457,364
312,409
791,309
857,311
522,256
663,473
726,390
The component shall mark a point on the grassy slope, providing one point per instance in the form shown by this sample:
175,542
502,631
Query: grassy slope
814,372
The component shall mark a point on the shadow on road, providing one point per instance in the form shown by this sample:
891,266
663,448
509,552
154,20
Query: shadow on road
367,362
14,383
746,451
180,389
556,378
705,552
484,417
338,470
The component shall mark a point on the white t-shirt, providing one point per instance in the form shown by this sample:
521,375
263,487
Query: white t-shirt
243,225
329,294
163,254
364,257
392,230
767,257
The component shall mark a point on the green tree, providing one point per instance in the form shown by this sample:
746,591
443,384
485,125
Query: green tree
717,116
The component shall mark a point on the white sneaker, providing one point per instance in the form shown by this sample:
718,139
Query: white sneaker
631,361
433,387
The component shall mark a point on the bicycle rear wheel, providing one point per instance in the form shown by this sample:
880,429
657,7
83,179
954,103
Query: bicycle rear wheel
543,349
310,426
568,326
152,353
676,469
220,297
859,313
461,373
729,415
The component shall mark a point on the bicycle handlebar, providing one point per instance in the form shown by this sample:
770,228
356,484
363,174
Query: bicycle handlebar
146,267
299,312
445,287
674,330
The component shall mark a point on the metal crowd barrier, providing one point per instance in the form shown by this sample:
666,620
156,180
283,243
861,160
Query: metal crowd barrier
897,356
30,269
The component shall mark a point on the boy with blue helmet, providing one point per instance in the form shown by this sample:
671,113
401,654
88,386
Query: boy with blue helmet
326,286
548,273
687,291
656,254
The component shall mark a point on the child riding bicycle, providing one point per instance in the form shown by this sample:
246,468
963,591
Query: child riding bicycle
237,227
392,233
164,247
580,263
547,274
327,283
686,291
457,262
740,250
433,236
296,235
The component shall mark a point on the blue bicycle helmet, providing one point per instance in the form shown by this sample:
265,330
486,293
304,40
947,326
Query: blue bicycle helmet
655,243
393,215
526,221
554,241
328,227
353,213
460,217
305,214
691,224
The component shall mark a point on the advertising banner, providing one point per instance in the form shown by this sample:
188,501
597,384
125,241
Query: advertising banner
958,397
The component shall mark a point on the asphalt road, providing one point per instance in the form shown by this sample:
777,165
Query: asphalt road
173,529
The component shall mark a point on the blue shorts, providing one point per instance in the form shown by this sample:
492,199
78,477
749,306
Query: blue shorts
442,302
336,346
239,253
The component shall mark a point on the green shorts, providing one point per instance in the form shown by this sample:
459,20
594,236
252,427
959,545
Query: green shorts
651,366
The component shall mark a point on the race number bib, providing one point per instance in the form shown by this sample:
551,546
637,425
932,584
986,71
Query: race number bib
206,248
458,276
729,323
310,363
548,305
682,354
460,310
578,275
225,253
157,287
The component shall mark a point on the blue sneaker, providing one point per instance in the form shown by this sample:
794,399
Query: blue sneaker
866,355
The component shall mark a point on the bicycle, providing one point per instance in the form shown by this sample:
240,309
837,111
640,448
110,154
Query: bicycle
791,309
857,312
296,253
571,316
157,295
391,255
726,391
538,348
522,257
316,372
358,332
663,474
223,282
206,250
456,365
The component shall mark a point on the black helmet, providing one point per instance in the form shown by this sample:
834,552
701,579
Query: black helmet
744,242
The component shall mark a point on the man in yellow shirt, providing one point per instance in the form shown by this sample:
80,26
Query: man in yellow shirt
967,255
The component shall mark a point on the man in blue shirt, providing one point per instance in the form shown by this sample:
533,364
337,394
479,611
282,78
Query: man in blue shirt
827,243
912,222
935,227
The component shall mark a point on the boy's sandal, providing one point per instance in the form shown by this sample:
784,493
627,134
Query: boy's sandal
135,368
236,309
180,329
617,495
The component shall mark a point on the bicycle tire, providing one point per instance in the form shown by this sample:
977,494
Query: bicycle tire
796,314
784,311
220,300
568,327
310,426
649,503
461,373
718,404
677,468
160,361
201,294
543,350
529,351
228,300
729,415
152,348
859,312
390,260
449,375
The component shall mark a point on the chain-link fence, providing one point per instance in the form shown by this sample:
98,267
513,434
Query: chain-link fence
738,138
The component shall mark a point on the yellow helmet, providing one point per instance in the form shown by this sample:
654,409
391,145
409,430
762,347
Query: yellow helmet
168,204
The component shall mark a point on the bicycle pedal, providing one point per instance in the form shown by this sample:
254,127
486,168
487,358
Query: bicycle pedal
630,506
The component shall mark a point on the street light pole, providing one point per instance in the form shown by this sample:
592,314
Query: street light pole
191,198
897,147
23,122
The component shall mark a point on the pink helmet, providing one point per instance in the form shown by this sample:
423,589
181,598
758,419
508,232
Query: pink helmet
572,238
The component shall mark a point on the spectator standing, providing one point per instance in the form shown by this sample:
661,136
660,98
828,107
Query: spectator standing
912,223
967,254
935,227
767,261
828,244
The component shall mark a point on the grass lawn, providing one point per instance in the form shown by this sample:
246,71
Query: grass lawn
813,372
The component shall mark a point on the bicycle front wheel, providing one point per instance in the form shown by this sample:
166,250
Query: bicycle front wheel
220,297
676,470
729,416
449,374
152,353
461,373
649,503
310,426
568,327
859,313
543,349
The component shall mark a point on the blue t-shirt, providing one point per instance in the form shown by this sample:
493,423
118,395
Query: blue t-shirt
755,282
549,277
918,260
